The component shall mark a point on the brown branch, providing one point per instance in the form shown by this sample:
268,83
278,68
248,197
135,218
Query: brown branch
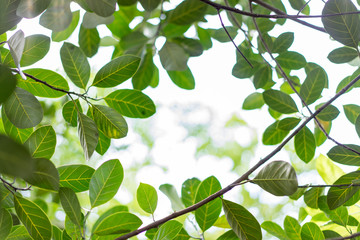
329,185
352,236
11,185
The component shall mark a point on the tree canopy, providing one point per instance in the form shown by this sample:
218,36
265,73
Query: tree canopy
81,112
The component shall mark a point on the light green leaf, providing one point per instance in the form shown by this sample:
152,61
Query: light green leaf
168,230
45,175
328,171
253,101
311,197
292,228
344,28
88,134
305,144
344,156
65,34
131,103
58,16
342,55
36,47
222,222
34,219
187,12
16,44
352,111
283,42
313,85
327,114
279,101
273,134
75,177
143,76
6,223
19,232
170,191
89,41
150,5
31,8
8,16
19,135
242,222
173,57
275,230
42,142
109,121
207,215
7,83
69,112
291,60
105,182
204,37
71,205
188,191
183,79
116,209
92,20
311,231
116,71
147,197
103,144
102,8
320,137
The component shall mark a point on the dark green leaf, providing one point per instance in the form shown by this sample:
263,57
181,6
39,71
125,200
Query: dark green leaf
31,8
5,223
187,12
188,191
242,69
150,5
7,83
273,135
36,47
275,230
147,197
342,55
168,230
109,121
89,41
45,175
311,231
229,235
42,142
328,114
75,177
71,205
6,197
170,192
88,134
292,228
344,156
313,85
143,76
191,46
330,234
283,42
288,124
173,57
279,101
221,35
262,77
291,60
120,222
253,101
102,8
311,197
69,112
305,144
65,34
183,79
20,135
8,16
103,144
58,16
352,111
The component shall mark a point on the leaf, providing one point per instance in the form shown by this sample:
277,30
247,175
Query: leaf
342,55
5,223
42,142
35,48
147,197
188,191
337,196
191,46
105,182
75,177
279,101
16,44
273,135
187,12
283,42
116,209
173,57
291,60
320,137
7,83
253,101
72,230
143,76
207,215
242,222
328,171
183,79
71,205
344,28
292,228
19,135
305,144
69,112
116,71
31,8
170,192
242,69
131,103
8,16
274,229
58,16
34,219
103,144
311,197
89,41
92,20
45,175
117,223
327,114
262,77
313,85
229,235
311,231
344,156
168,230
88,134
288,124
102,8
357,125
221,36
150,5
65,34
56,233
75,64
19,232
352,111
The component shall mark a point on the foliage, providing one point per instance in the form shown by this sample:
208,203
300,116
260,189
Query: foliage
40,108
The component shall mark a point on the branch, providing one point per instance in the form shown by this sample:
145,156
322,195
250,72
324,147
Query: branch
10,185
326,185
352,236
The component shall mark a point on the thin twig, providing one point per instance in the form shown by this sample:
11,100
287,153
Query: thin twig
352,236
329,185
7,185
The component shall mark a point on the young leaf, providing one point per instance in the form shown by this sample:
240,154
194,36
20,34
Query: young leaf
117,71
275,230
88,134
173,57
311,231
45,175
279,101
6,223
207,215
8,16
183,79
89,40
344,156
34,219
75,177
168,230
102,8
42,142
147,197
342,55
292,228
36,47
7,83
170,192
187,12
32,8
65,34
313,85
105,182
71,205
242,222
188,191
131,103
305,144
328,171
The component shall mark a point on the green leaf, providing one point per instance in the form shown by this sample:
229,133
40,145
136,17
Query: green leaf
253,101
117,223
204,37
357,125
313,85
173,31
58,16
292,228
116,71
305,144
242,69
75,177
71,205
183,79
273,135
16,44
182,235
45,175
344,156
352,111
242,222
31,8
320,137
134,42
75,64
291,60
7,83
69,112
131,103
65,34
337,196
311,197
191,46
143,76
311,231
103,144
278,178
283,42
168,230
170,192
274,229
188,191
35,49
56,233
147,197
328,234
279,101
116,209
150,5
89,41
72,230
105,182
344,28
262,77
19,135
342,55
288,124
221,36
187,12
328,171
88,134
327,114
92,20
19,232
42,142
6,197
34,219
5,223
23,109
8,16
102,8
173,57
207,215
229,235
